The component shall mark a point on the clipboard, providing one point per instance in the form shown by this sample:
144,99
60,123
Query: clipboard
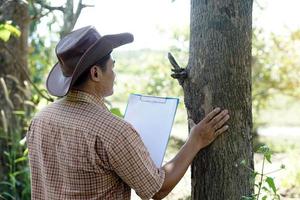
153,119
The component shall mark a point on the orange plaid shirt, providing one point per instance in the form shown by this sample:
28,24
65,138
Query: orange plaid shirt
79,150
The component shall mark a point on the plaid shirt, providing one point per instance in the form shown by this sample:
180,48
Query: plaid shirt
79,150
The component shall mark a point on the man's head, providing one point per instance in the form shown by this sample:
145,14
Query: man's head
84,51
99,78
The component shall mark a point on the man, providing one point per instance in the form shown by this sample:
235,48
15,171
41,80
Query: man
79,150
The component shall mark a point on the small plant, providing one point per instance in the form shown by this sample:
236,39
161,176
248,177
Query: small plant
264,184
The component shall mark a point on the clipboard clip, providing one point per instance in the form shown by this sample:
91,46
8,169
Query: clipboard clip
153,99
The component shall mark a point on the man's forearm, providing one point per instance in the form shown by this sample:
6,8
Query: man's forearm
201,135
176,168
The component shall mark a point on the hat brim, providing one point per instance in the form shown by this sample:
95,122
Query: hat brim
59,85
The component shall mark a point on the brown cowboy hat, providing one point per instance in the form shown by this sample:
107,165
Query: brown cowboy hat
76,52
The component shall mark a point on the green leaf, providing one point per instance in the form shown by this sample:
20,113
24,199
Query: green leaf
271,184
278,196
116,111
263,149
268,157
6,153
6,30
265,189
264,198
4,34
12,29
248,198
25,153
20,159
19,112
6,183
9,195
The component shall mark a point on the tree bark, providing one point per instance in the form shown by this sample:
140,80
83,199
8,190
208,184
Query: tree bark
12,52
219,75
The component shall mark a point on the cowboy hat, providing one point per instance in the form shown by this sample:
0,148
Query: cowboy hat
76,52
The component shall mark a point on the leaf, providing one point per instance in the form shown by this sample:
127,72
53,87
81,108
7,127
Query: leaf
6,30
20,159
12,29
25,153
268,157
264,149
9,195
19,112
247,198
4,34
264,198
22,142
271,184
254,174
6,183
265,189
116,111
278,196
6,153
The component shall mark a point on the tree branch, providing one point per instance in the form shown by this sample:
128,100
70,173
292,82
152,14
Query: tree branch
179,73
51,8
27,75
79,9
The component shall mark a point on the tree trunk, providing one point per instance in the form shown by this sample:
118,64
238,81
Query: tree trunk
70,17
219,75
12,77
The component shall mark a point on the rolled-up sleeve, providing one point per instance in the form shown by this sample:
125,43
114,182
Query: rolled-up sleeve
130,159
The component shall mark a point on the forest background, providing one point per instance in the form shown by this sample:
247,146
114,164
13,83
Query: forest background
143,67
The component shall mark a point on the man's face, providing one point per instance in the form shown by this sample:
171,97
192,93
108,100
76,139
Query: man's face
108,78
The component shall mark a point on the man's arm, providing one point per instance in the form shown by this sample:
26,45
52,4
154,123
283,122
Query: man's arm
201,135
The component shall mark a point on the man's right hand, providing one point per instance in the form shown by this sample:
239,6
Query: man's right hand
208,129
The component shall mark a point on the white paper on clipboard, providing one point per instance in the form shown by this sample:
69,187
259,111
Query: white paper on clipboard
153,118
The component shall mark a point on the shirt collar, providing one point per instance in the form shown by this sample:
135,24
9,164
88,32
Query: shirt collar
78,95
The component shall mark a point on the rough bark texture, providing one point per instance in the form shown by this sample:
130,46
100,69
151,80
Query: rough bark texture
219,74
12,51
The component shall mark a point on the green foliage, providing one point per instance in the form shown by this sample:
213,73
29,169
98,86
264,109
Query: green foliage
264,184
116,111
41,54
146,72
275,68
7,29
15,183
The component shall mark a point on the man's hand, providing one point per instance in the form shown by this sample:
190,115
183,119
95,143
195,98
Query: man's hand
202,134
208,129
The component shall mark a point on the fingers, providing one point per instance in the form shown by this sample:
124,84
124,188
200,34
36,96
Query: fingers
212,114
218,118
221,130
222,122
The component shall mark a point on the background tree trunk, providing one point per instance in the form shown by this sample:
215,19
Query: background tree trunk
12,77
219,74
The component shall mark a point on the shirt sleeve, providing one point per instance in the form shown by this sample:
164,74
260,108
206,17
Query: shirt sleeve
130,159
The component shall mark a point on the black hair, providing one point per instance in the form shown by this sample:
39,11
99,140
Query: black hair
86,74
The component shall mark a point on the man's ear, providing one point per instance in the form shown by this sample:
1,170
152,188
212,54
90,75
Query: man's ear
95,73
